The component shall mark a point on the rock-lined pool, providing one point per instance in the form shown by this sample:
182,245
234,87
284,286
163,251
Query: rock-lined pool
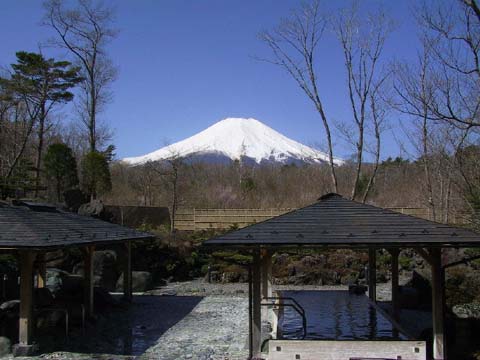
336,315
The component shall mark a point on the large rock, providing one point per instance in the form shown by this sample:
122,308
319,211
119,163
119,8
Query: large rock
5,346
94,208
55,279
105,269
12,306
141,281
467,311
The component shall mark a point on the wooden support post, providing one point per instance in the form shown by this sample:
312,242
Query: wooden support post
372,274
42,271
395,286
437,305
250,311
256,307
26,298
88,280
266,266
127,271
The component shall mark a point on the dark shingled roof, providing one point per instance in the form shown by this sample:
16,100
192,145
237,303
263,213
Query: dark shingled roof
38,226
336,221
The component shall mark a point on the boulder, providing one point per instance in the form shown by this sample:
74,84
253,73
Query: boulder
94,208
281,259
382,276
105,269
55,279
5,346
349,279
467,311
141,281
230,277
12,306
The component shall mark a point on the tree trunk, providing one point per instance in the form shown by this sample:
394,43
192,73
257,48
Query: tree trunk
38,164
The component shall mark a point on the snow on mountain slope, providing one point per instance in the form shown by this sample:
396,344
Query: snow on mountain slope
234,138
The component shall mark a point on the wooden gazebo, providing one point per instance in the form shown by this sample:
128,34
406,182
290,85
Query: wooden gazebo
336,222
30,230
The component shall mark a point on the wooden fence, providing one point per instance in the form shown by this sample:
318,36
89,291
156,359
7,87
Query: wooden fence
204,219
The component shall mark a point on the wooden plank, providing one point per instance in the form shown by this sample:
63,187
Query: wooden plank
346,349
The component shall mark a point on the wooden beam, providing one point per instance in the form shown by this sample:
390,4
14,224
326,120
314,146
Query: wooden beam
26,297
372,274
395,284
127,271
437,305
88,280
256,305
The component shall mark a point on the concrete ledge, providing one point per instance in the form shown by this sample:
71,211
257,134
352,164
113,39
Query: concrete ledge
345,349
24,350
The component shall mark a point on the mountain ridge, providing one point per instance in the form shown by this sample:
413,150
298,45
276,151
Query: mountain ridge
234,139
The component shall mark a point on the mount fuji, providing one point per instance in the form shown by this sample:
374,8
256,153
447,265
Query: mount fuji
234,139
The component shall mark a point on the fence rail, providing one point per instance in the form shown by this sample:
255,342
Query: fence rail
204,219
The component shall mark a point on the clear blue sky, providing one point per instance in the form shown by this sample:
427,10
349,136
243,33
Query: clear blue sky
183,65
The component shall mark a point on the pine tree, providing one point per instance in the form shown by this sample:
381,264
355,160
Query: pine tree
95,174
41,84
60,169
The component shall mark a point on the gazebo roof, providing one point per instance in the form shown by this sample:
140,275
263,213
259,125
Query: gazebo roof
336,221
40,226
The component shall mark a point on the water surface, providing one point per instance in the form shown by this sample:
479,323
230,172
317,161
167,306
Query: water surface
336,315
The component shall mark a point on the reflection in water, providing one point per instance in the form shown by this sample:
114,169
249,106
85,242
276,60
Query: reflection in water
336,315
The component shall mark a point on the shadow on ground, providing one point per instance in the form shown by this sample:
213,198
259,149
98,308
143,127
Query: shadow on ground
125,330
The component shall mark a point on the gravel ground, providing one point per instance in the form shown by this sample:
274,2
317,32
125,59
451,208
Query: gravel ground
185,320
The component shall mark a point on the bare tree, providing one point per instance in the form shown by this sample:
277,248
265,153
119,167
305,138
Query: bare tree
85,31
362,39
294,44
169,172
378,111
414,89
453,37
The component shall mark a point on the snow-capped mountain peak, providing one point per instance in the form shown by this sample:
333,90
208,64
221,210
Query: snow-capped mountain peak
236,138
